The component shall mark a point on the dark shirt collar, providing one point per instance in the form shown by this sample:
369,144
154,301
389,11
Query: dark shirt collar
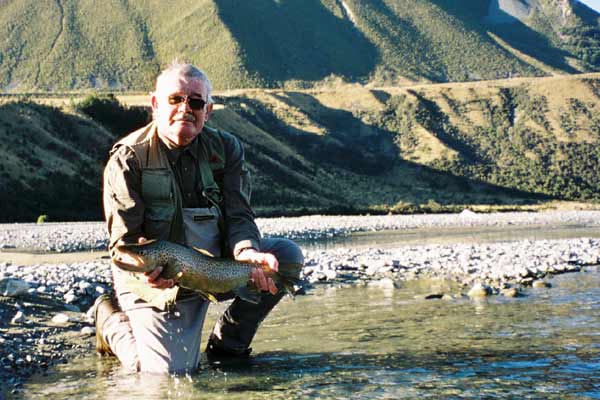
173,153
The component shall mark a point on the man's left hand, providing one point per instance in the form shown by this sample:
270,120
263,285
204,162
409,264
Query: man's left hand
260,279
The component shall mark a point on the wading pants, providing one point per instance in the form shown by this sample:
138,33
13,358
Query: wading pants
147,339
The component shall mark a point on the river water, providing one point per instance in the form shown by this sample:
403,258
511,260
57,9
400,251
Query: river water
371,343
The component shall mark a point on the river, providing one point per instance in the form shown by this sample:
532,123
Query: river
372,343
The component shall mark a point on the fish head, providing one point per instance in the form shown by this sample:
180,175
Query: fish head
137,257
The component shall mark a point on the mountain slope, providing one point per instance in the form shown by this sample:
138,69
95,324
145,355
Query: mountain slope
68,44
344,150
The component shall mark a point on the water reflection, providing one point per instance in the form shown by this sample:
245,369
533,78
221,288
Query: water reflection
365,343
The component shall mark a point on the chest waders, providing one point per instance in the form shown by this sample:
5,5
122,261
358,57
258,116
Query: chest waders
164,216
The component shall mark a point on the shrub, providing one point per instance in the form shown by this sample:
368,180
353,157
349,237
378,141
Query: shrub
117,118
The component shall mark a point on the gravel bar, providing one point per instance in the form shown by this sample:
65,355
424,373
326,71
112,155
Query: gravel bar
84,236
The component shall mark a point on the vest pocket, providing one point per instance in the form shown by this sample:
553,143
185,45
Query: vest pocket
159,202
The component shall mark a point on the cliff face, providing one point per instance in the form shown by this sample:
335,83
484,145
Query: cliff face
509,11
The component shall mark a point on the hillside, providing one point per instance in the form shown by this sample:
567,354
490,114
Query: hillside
343,149
68,45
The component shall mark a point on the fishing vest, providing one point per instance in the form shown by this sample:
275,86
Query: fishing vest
163,214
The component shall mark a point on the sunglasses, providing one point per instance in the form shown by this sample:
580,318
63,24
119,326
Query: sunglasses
194,103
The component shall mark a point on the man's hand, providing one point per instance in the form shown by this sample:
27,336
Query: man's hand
259,278
153,277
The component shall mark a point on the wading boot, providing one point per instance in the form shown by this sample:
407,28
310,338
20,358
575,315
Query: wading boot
104,307
217,354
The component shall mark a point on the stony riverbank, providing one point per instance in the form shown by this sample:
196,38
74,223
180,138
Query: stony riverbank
42,307
82,236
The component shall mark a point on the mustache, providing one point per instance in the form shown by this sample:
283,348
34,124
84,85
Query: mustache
185,117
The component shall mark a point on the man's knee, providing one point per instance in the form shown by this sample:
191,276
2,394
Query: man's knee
286,251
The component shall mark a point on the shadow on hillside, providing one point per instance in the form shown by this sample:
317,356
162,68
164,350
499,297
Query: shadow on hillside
447,188
297,40
367,153
438,123
348,142
515,33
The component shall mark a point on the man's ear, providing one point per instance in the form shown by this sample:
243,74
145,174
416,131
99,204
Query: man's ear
209,109
154,102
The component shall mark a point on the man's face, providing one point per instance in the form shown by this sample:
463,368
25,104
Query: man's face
177,121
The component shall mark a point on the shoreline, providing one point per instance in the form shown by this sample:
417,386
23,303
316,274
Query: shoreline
47,325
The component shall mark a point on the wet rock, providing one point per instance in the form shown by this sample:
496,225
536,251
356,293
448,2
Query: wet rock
540,284
510,292
478,291
385,283
526,281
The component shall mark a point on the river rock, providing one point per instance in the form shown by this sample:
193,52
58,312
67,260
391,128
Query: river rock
13,287
478,291
385,283
87,331
70,297
540,284
72,307
18,318
510,292
60,318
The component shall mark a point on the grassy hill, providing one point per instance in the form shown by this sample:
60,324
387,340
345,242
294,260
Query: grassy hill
74,45
337,149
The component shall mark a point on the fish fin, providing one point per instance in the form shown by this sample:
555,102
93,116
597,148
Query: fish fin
204,251
208,296
248,294
289,276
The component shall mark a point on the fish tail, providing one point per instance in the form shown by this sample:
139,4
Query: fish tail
289,276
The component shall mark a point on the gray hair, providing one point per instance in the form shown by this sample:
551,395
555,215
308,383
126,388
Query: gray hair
188,72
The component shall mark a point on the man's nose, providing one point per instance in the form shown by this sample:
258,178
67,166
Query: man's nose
185,104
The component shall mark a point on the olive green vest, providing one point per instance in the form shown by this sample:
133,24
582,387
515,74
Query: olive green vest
163,216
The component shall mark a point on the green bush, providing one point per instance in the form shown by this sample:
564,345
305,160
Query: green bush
117,118
42,218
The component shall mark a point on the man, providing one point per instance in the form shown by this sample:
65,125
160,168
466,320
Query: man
179,180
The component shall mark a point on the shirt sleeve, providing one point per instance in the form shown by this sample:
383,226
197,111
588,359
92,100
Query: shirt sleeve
242,231
123,205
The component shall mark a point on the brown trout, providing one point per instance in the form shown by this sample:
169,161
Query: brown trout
197,270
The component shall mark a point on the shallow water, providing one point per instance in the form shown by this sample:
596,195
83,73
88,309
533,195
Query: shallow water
426,236
375,344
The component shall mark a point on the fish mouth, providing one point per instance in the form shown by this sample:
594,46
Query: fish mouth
129,260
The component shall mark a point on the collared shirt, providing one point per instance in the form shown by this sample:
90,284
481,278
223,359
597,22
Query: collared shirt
184,162
124,206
